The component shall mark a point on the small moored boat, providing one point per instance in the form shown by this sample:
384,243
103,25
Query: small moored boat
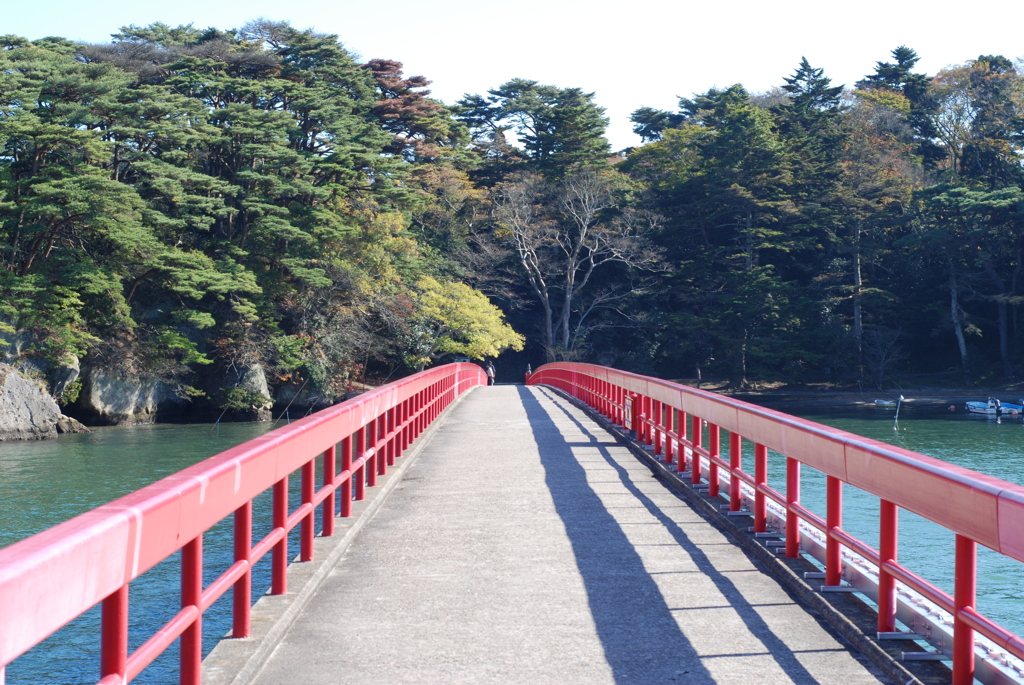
995,407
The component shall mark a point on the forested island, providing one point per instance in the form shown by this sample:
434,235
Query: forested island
201,222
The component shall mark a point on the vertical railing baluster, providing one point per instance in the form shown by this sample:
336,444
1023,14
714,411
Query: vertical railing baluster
242,590
649,415
696,440
681,429
306,526
380,444
370,445
656,416
389,430
279,555
965,588
404,445
888,551
714,449
114,634
760,480
670,443
327,511
636,411
192,595
792,497
360,473
735,465
833,522
346,465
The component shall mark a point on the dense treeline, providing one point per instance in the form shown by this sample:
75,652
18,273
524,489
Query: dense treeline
188,205
183,200
834,234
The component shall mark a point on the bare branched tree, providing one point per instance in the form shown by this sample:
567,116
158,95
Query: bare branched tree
562,235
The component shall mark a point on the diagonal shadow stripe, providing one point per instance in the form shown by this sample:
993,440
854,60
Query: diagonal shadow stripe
779,650
641,640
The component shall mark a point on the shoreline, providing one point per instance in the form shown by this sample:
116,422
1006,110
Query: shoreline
928,398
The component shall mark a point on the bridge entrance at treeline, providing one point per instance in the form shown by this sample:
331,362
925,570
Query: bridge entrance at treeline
591,526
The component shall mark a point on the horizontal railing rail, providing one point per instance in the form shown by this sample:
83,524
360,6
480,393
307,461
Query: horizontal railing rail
49,579
670,419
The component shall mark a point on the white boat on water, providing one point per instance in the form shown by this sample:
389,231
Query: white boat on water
994,407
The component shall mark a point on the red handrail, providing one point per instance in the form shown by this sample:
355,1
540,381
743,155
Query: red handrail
49,579
977,507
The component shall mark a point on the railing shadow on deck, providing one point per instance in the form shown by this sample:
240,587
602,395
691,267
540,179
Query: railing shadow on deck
639,634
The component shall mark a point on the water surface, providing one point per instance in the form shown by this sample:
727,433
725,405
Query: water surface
45,482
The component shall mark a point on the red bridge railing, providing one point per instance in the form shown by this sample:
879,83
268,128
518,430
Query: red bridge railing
670,418
49,579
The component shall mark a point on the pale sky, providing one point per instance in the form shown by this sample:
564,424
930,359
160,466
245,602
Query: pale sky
631,54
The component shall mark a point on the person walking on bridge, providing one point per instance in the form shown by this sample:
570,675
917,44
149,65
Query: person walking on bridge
490,373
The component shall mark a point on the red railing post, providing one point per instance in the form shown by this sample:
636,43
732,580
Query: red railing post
833,522
389,427
329,472
370,445
670,444
346,465
760,480
964,597
792,497
192,595
360,453
735,464
637,408
888,548
114,634
681,430
242,591
381,429
306,527
696,441
715,449
279,555
406,429
658,418
648,413
418,421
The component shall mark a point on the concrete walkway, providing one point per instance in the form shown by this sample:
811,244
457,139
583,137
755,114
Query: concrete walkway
524,545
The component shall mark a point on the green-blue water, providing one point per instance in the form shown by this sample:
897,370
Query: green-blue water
46,482
976,442
43,483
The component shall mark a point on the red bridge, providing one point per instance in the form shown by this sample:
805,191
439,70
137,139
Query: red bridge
592,575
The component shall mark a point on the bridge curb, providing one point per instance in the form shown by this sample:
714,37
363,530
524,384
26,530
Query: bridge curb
239,661
786,576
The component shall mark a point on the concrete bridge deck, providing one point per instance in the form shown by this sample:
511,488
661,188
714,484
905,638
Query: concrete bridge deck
525,545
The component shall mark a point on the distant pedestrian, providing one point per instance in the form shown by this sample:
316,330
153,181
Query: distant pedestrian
490,373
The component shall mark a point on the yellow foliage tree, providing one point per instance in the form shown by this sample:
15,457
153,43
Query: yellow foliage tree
453,318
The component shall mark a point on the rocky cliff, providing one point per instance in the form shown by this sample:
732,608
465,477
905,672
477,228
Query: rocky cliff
27,412
119,400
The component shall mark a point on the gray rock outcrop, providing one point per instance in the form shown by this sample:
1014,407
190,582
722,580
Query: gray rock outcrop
26,411
64,375
119,400
300,398
66,424
254,379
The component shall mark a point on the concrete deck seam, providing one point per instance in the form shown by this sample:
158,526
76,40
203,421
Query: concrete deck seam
261,647
801,591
